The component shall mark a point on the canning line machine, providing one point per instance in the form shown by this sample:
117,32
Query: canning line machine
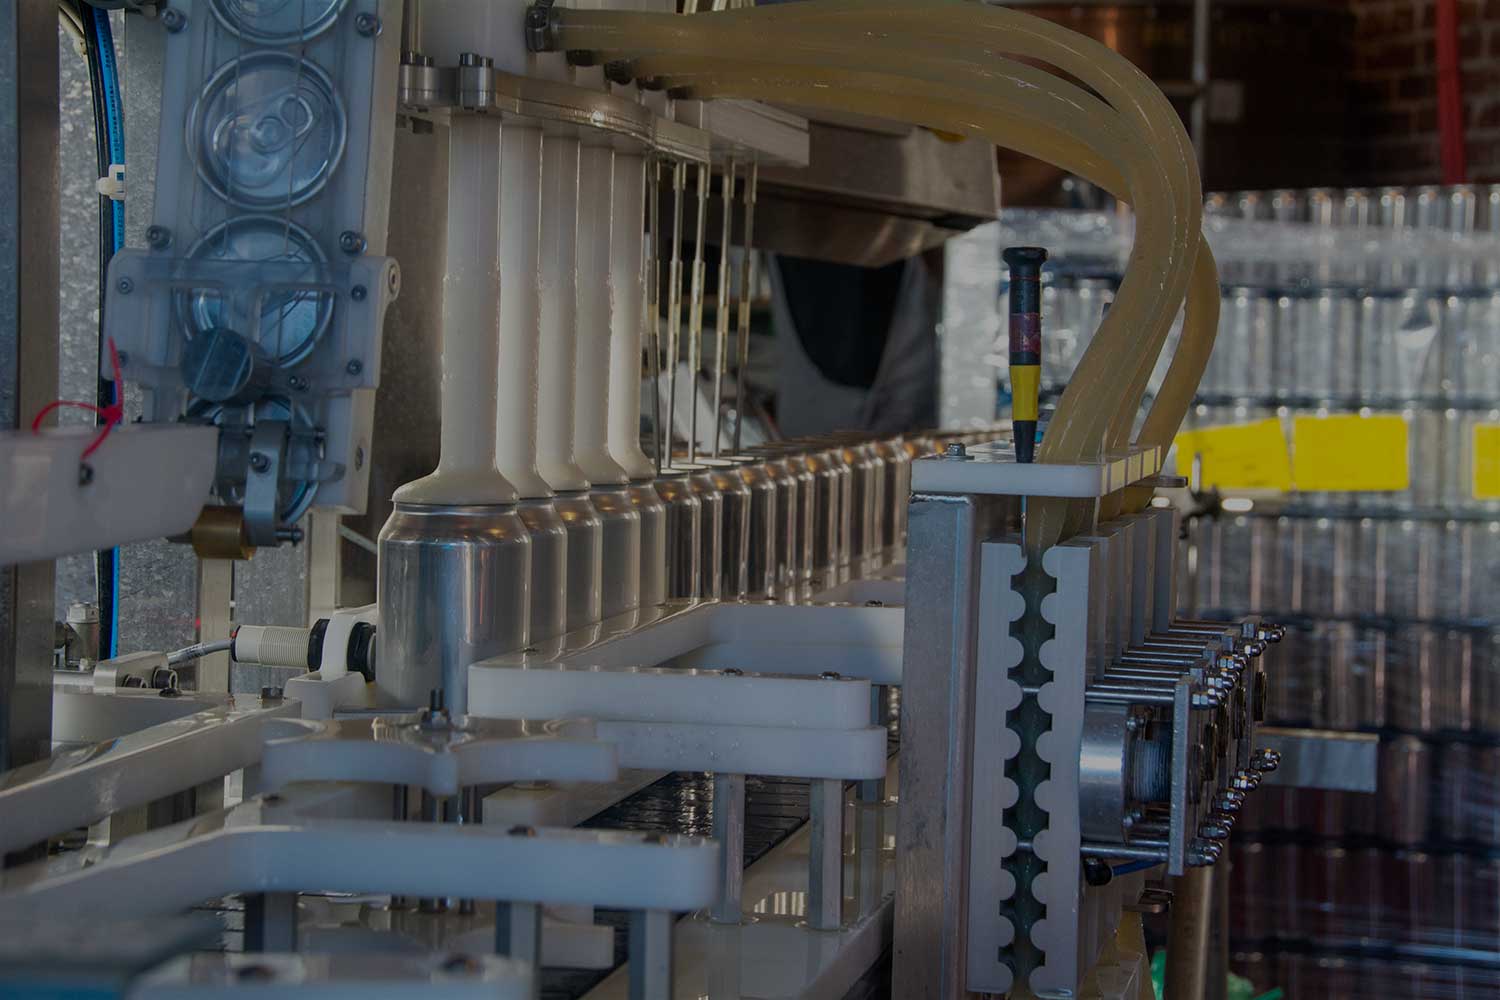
694,714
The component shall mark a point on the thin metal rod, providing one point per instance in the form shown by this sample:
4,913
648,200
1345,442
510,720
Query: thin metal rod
650,947
729,831
1187,940
825,876
674,305
747,292
695,312
653,305
721,308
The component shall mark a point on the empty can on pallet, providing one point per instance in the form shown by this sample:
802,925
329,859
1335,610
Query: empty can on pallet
683,543
453,588
761,581
620,550
787,562
897,497
549,569
826,517
711,536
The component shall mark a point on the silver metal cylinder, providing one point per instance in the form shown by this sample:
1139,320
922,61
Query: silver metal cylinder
765,532
734,532
826,496
844,512
453,589
869,505
787,539
653,513
711,534
585,558
683,536
549,569
620,523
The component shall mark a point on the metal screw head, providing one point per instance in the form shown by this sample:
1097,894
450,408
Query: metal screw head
298,383
359,457
367,24
874,604
830,675
159,237
259,462
733,672
173,20
461,965
85,473
393,279
957,450
358,293
522,831
124,286
355,366
351,243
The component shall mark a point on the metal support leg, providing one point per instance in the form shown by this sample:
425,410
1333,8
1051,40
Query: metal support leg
1218,931
729,831
650,955
271,922
518,935
1187,941
825,875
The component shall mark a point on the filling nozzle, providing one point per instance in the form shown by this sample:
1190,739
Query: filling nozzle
1025,265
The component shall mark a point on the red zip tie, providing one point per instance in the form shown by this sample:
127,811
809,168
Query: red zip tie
112,414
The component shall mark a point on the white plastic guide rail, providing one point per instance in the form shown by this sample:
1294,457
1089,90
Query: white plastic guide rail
77,787
258,847
992,469
362,976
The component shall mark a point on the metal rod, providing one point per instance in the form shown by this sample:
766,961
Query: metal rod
721,308
1124,852
653,305
650,955
1187,941
729,831
674,305
747,293
695,312
825,876
411,27
271,922
518,934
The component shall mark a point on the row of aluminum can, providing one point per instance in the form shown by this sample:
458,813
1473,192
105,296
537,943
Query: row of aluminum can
1439,795
1374,564
788,518
1300,974
1335,895
1317,345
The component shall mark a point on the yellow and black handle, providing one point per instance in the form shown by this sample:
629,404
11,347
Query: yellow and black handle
1025,265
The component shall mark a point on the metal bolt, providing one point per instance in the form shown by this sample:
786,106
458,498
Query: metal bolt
1214,830
358,293
522,831
351,243
85,473
124,286
270,693
159,237
393,279
355,366
957,450
173,20
1096,872
359,457
298,383
367,24
830,675
259,462
874,604
124,358
733,672
530,649
272,800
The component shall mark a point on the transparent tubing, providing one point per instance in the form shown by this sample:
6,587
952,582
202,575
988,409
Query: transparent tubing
627,292
1091,438
466,472
591,390
520,313
1091,163
557,280
1098,66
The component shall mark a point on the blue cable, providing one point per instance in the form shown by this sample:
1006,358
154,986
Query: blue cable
114,131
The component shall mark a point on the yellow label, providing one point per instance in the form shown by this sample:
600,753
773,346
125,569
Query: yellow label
1350,453
1025,387
1249,456
1486,445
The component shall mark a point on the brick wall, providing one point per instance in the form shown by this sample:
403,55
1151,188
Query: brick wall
1396,140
